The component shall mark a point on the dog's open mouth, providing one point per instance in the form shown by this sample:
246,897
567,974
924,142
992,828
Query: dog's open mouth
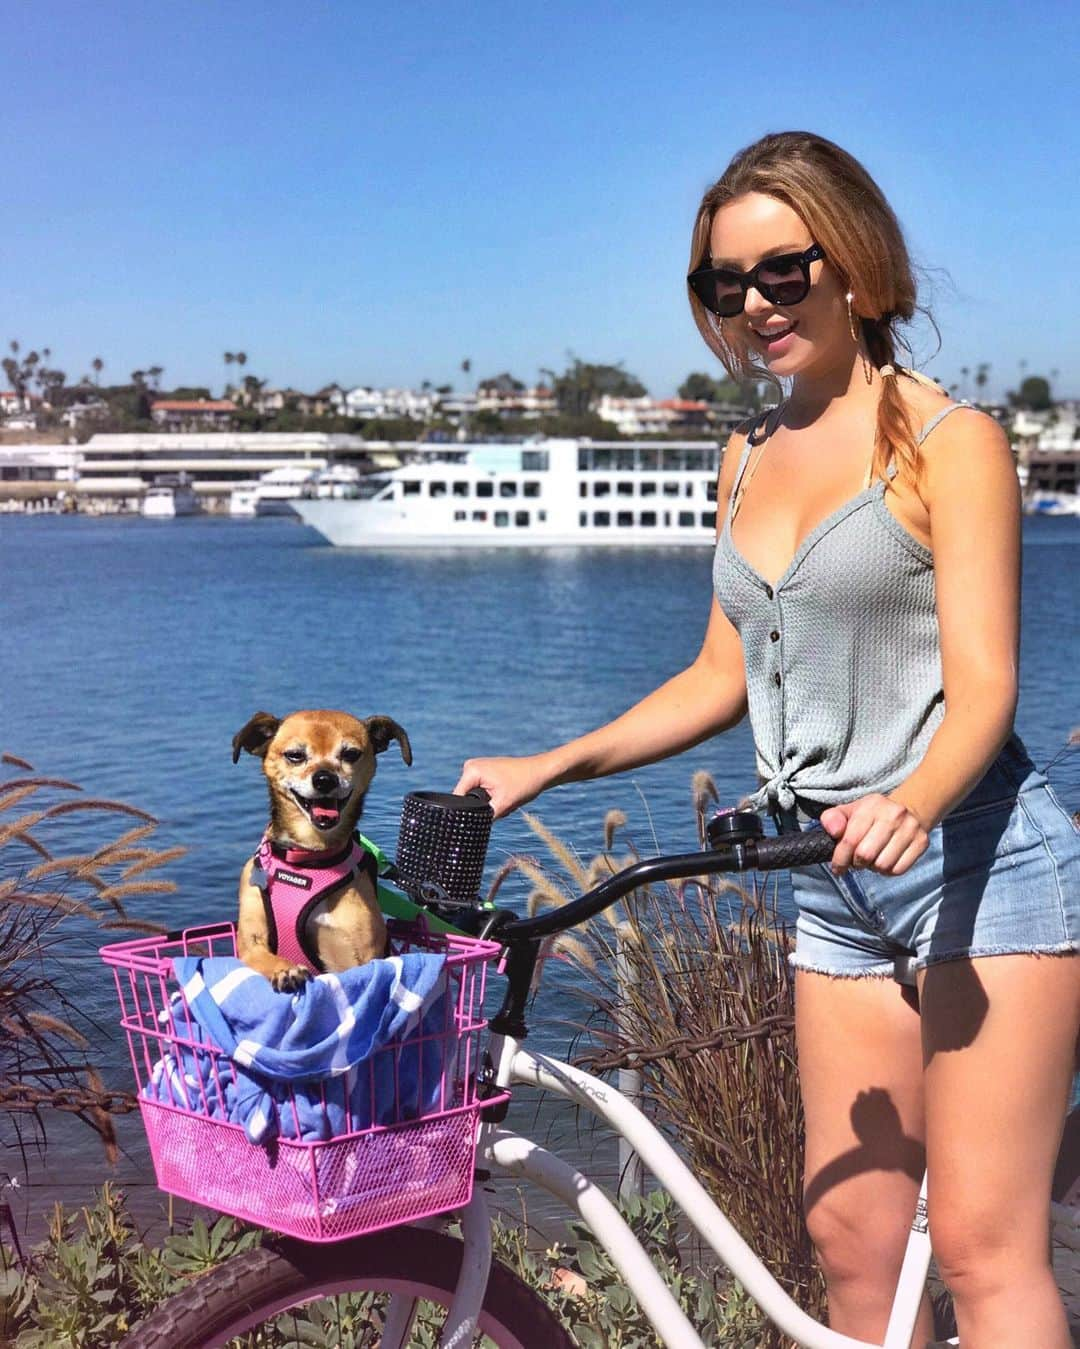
324,812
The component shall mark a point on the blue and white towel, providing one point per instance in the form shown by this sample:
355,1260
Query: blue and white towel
307,1064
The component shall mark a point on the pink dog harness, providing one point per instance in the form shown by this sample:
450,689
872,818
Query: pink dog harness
292,882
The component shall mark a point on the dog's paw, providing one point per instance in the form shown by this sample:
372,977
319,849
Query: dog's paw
291,979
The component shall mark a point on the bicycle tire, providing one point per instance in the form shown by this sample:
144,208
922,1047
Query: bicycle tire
249,1289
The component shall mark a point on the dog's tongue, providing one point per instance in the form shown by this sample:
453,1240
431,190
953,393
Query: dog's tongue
328,813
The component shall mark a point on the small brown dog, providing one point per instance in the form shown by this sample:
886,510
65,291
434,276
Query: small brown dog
308,898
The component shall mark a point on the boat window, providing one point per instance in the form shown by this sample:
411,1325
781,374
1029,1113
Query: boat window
671,489
601,459
485,489
508,489
647,459
601,489
708,519
647,489
583,489
437,489
535,461
530,489
625,459
583,518
461,515
541,516
625,518
688,489
672,461
521,518
480,515
625,489
647,518
686,517
502,519
601,518
461,489
584,459
667,519
411,487
710,490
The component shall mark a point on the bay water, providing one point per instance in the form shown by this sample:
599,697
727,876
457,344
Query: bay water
131,651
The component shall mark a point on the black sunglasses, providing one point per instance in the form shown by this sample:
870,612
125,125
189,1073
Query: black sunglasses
783,280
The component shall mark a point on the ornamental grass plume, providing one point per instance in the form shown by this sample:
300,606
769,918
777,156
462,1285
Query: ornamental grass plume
707,965
46,902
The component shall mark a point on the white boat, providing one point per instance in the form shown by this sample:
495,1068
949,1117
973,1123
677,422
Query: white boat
278,491
167,498
1053,503
337,480
544,493
244,501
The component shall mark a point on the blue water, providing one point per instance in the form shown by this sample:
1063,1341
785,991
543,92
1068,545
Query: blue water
133,650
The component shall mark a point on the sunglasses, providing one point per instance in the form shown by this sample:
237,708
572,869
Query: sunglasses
782,280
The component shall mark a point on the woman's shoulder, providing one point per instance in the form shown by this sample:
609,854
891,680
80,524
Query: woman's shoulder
959,445
929,406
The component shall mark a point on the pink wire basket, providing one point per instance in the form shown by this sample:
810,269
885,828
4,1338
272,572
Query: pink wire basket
417,1161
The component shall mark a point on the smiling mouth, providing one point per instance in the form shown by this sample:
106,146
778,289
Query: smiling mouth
324,812
774,334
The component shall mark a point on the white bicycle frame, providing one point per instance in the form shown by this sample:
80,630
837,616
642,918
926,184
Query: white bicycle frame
507,1153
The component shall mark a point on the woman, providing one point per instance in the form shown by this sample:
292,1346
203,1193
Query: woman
866,613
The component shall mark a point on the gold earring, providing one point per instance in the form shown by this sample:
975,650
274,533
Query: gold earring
851,318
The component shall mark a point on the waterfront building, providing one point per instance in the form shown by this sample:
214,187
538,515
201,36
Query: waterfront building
183,414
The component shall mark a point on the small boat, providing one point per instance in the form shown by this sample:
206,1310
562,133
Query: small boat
278,490
167,498
1053,503
244,501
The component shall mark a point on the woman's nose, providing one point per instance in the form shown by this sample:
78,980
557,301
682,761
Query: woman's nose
756,303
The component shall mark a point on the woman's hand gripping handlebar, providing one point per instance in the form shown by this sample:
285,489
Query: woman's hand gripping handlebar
737,843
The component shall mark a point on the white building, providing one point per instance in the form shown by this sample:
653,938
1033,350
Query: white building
653,416
366,403
527,404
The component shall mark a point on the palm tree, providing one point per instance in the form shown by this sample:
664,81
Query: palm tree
155,372
229,358
982,374
241,359
99,366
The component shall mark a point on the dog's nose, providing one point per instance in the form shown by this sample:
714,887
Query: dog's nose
323,781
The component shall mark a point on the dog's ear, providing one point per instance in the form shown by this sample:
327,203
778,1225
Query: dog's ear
256,735
382,730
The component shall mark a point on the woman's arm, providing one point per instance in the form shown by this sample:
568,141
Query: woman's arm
973,498
707,697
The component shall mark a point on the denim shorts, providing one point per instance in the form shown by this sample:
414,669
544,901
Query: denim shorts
1001,876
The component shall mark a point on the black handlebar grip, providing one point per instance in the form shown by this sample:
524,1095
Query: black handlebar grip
793,850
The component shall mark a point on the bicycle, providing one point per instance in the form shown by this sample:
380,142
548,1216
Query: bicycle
419,1261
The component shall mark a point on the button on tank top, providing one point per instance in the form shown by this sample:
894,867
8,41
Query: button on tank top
842,652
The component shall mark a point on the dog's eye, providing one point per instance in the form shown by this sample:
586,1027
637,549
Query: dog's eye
295,755
350,755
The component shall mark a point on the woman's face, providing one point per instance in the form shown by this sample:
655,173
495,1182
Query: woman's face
809,337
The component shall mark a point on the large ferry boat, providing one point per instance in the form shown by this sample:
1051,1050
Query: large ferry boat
541,493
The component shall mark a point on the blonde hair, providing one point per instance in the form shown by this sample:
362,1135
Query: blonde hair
847,214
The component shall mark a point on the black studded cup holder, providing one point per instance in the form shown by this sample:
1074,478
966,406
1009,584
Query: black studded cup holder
442,844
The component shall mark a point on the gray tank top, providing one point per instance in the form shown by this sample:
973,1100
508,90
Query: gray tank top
842,653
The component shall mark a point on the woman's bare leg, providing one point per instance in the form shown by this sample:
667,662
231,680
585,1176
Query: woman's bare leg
860,1068
999,1036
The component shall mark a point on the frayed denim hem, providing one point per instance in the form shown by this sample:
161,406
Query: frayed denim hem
1066,948
864,972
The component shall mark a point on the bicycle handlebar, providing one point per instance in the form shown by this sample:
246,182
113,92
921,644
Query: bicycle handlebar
745,852
753,854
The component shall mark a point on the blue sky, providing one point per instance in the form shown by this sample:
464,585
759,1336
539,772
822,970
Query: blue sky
374,192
